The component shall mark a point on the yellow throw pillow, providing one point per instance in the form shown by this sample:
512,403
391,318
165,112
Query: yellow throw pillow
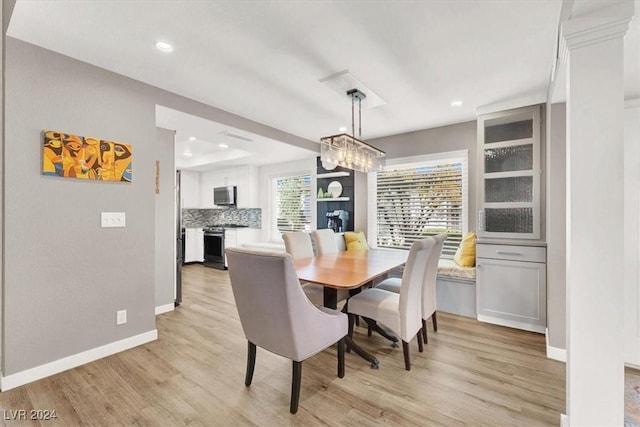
355,241
466,254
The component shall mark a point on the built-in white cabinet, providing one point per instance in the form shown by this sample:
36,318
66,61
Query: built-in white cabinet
230,238
511,272
193,245
190,189
509,169
248,189
511,285
245,178
230,241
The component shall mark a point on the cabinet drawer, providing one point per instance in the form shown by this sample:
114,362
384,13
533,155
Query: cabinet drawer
510,252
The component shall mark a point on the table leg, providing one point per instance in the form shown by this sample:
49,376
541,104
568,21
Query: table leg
375,327
331,301
330,297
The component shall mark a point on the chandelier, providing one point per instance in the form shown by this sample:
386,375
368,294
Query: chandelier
348,151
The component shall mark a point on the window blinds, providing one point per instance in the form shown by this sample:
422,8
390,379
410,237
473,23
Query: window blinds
418,201
293,203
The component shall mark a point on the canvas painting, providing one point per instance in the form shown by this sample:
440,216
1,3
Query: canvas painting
82,157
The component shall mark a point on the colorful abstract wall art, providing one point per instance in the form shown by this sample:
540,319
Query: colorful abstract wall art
82,157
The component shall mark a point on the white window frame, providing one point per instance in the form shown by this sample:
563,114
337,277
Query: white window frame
459,156
275,235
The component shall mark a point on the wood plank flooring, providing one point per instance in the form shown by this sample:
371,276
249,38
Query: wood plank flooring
470,373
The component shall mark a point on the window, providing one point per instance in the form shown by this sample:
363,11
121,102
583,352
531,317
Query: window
418,197
292,203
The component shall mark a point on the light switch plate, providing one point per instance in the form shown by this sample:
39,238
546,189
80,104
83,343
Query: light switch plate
121,317
112,219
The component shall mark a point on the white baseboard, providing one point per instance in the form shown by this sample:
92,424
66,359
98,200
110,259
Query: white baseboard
75,360
555,353
564,420
165,308
511,323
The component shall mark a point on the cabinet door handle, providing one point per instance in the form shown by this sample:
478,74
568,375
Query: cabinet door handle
508,253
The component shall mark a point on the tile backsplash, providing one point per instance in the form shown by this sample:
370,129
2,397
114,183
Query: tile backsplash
197,218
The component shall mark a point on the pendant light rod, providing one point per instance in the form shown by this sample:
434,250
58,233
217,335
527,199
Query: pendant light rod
360,118
353,126
356,94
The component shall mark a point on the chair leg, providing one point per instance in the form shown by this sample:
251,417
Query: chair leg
295,386
350,331
341,358
424,331
368,330
420,346
251,363
434,319
407,359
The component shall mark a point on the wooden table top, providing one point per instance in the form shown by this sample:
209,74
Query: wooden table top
348,270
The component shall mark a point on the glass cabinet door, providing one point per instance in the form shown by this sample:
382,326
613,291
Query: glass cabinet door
509,147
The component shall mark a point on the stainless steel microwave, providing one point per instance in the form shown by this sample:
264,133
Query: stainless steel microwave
225,196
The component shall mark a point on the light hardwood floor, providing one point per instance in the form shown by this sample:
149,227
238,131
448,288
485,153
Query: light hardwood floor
470,373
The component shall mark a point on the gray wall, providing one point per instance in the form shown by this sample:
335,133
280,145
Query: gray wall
556,224
165,219
461,136
64,276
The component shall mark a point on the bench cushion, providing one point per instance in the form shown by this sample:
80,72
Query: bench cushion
446,267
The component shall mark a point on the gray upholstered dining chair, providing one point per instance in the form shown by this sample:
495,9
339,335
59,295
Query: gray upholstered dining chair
298,244
325,240
401,312
429,299
276,315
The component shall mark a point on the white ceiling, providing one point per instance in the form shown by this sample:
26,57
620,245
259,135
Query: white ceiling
263,59
238,147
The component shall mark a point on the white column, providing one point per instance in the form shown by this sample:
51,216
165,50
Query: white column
593,49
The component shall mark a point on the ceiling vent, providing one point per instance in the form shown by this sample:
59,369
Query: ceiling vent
235,136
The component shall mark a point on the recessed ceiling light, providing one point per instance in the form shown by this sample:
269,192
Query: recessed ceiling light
192,138
223,146
187,154
342,129
456,104
164,46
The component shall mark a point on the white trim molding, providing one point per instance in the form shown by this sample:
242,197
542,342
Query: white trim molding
632,103
165,308
33,374
510,323
534,98
555,353
564,420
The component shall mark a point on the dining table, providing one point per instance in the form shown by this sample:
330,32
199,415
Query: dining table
350,270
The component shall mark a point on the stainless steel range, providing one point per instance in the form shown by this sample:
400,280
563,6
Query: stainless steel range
214,244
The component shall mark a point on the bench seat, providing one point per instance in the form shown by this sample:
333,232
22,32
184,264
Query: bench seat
456,288
446,267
